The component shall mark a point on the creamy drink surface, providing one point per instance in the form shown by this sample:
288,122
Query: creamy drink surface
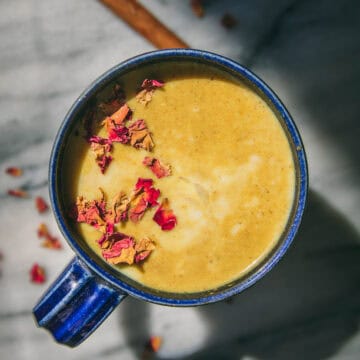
232,183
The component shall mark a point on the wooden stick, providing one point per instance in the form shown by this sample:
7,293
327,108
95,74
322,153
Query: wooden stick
141,20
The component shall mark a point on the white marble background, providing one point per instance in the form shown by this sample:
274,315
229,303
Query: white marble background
309,52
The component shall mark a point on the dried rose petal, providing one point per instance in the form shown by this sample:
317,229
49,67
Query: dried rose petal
50,242
157,167
151,196
164,216
99,140
143,249
144,196
148,87
228,21
143,184
155,343
120,115
119,208
151,84
197,8
140,136
137,212
116,133
37,274
14,171
18,193
121,251
119,134
41,205
101,148
91,212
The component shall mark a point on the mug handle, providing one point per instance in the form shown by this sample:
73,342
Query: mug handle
76,304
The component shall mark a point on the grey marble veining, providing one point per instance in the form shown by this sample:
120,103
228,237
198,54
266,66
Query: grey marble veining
308,307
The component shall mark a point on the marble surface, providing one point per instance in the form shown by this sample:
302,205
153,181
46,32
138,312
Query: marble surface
308,51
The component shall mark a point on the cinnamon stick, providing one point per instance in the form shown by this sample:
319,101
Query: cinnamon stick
141,20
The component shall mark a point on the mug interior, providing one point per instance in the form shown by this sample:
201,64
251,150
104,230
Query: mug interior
100,89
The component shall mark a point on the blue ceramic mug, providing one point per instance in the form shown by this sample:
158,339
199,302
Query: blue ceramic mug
88,290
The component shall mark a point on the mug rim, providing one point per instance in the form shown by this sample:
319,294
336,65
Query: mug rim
299,160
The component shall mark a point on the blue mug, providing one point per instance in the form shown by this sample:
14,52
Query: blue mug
88,290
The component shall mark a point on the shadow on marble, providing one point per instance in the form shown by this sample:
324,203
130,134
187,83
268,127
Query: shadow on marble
307,307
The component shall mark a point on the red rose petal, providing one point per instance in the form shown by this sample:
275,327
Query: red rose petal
148,87
137,212
18,193
144,197
151,84
165,217
101,148
143,249
120,115
151,195
155,343
117,247
120,249
41,205
37,274
119,134
50,242
140,137
14,171
143,184
91,212
157,167
99,140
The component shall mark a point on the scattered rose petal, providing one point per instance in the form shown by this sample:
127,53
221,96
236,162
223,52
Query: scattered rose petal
197,8
91,212
50,242
18,193
155,343
228,21
137,212
148,87
143,249
143,184
108,239
145,187
37,274
157,167
164,216
120,115
41,205
14,171
116,133
120,251
101,148
144,196
151,84
151,196
119,208
140,136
